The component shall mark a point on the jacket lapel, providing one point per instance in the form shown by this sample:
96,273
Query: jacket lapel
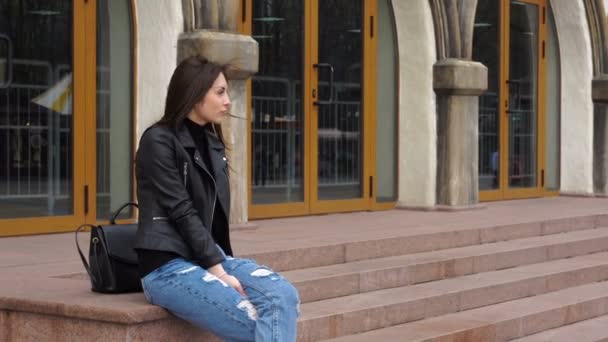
187,141
218,168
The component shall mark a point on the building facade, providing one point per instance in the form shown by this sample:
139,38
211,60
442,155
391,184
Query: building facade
340,105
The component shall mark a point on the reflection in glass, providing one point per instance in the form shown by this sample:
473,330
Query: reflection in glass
340,142
523,94
276,115
36,125
114,119
486,49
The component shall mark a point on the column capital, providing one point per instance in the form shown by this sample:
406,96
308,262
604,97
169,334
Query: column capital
460,77
238,51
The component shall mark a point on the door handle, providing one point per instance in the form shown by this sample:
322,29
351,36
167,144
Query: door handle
9,62
331,83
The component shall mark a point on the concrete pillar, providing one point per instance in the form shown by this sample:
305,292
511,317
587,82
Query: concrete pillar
458,84
219,43
599,93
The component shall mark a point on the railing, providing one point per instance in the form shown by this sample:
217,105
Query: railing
33,136
339,134
488,148
276,133
522,147
36,142
103,136
522,144
277,142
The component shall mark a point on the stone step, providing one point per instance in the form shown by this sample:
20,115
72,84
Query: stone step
504,321
374,310
58,299
591,330
417,240
375,274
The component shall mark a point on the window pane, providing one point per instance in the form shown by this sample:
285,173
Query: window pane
114,107
553,106
340,122
486,49
386,115
36,126
277,121
523,63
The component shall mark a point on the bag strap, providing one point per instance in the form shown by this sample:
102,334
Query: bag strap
128,204
84,260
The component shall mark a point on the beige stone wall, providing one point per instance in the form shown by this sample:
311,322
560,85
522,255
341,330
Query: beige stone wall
576,103
417,159
159,25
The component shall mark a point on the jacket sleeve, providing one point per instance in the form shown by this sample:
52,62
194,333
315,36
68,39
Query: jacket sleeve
156,161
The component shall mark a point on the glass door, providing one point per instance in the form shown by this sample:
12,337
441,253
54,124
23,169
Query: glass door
340,119
510,40
41,115
522,95
277,116
309,125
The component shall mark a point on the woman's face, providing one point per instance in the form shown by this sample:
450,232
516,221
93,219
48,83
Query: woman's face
214,106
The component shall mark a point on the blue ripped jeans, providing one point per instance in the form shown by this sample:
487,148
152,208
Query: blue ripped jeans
269,313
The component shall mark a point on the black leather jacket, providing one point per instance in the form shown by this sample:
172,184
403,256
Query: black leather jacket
177,195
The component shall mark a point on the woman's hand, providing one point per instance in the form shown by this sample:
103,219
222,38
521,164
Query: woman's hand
218,271
234,283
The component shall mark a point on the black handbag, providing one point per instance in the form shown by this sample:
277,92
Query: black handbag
112,265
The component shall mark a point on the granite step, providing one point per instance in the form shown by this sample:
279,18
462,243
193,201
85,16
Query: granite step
506,321
591,330
417,240
363,276
58,300
379,309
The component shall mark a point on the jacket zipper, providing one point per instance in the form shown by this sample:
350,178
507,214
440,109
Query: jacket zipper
214,195
185,173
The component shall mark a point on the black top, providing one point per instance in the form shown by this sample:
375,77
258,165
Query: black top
150,260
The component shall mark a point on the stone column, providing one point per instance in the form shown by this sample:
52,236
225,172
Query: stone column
458,84
210,30
599,93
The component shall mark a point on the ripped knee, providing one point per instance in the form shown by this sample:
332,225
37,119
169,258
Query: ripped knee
265,272
247,306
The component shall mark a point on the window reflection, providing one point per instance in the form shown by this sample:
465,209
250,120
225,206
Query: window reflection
486,49
35,108
277,118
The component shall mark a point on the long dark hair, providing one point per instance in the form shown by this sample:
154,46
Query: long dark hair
190,82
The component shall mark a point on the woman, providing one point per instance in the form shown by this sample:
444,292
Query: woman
183,242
